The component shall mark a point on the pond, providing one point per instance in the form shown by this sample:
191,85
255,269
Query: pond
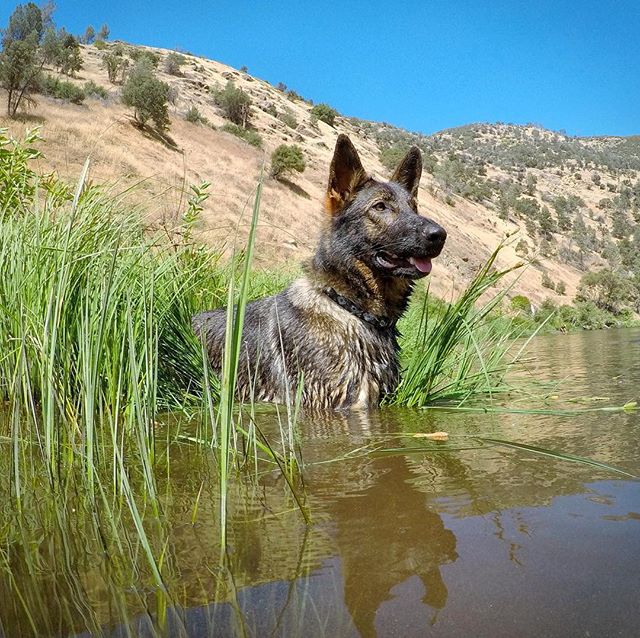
456,538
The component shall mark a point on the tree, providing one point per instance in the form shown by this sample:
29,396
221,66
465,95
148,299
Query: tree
115,63
391,156
286,160
607,289
580,236
547,282
89,35
148,96
20,70
503,206
547,224
530,184
24,22
235,103
51,47
104,32
324,113
173,62
69,57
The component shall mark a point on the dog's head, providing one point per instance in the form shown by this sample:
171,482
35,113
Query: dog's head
378,222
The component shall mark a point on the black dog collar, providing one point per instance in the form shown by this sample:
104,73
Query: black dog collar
381,323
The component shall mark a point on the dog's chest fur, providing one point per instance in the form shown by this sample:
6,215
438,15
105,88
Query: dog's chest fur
301,334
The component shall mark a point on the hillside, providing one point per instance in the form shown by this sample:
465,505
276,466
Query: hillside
571,203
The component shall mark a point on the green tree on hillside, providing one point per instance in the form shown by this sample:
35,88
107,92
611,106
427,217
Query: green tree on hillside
104,32
51,46
530,184
547,224
324,113
286,160
89,35
391,156
115,63
20,61
26,21
147,96
235,104
69,57
173,62
607,289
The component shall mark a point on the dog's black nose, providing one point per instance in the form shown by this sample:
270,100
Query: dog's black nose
435,233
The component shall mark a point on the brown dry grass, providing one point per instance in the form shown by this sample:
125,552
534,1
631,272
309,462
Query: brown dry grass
291,214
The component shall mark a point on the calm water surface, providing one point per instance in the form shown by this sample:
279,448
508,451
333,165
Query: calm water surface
462,539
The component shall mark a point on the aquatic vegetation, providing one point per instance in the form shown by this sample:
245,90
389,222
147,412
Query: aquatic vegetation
459,349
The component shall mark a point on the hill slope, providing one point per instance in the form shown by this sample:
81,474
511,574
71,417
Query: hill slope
571,201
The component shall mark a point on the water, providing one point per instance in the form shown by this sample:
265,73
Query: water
459,539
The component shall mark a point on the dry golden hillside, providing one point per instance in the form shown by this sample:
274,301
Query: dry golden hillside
292,213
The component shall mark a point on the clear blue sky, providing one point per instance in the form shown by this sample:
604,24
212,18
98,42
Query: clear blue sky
421,65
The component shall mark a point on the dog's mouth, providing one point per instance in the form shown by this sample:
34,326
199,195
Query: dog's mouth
413,266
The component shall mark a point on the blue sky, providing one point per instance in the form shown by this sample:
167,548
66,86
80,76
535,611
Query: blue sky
421,65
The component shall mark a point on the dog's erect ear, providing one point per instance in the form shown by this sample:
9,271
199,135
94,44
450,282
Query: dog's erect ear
409,172
346,175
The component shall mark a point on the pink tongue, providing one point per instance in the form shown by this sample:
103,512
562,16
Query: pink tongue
423,265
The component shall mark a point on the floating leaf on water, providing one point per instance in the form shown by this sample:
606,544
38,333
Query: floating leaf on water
432,436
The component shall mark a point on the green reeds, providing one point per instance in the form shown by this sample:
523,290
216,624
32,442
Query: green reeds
453,351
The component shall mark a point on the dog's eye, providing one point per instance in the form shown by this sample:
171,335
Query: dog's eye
380,206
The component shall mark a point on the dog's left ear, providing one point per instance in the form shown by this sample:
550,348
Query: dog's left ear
410,170
346,175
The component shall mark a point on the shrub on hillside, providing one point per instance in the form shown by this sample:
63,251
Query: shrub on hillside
324,113
547,282
527,207
235,104
246,134
607,290
92,89
289,119
286,160
68,59
115,63
55,87
391,156
142,55
194,116
520,303
173,62
147,96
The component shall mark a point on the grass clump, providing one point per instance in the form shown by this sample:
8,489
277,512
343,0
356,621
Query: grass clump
96,314
453,351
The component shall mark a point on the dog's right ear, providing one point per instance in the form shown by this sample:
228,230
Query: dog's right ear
346,175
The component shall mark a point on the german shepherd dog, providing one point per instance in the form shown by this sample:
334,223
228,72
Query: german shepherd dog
334,328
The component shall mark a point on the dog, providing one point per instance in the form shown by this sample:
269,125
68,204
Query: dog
333,330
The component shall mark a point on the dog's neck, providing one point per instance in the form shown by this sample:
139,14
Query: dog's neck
385,298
